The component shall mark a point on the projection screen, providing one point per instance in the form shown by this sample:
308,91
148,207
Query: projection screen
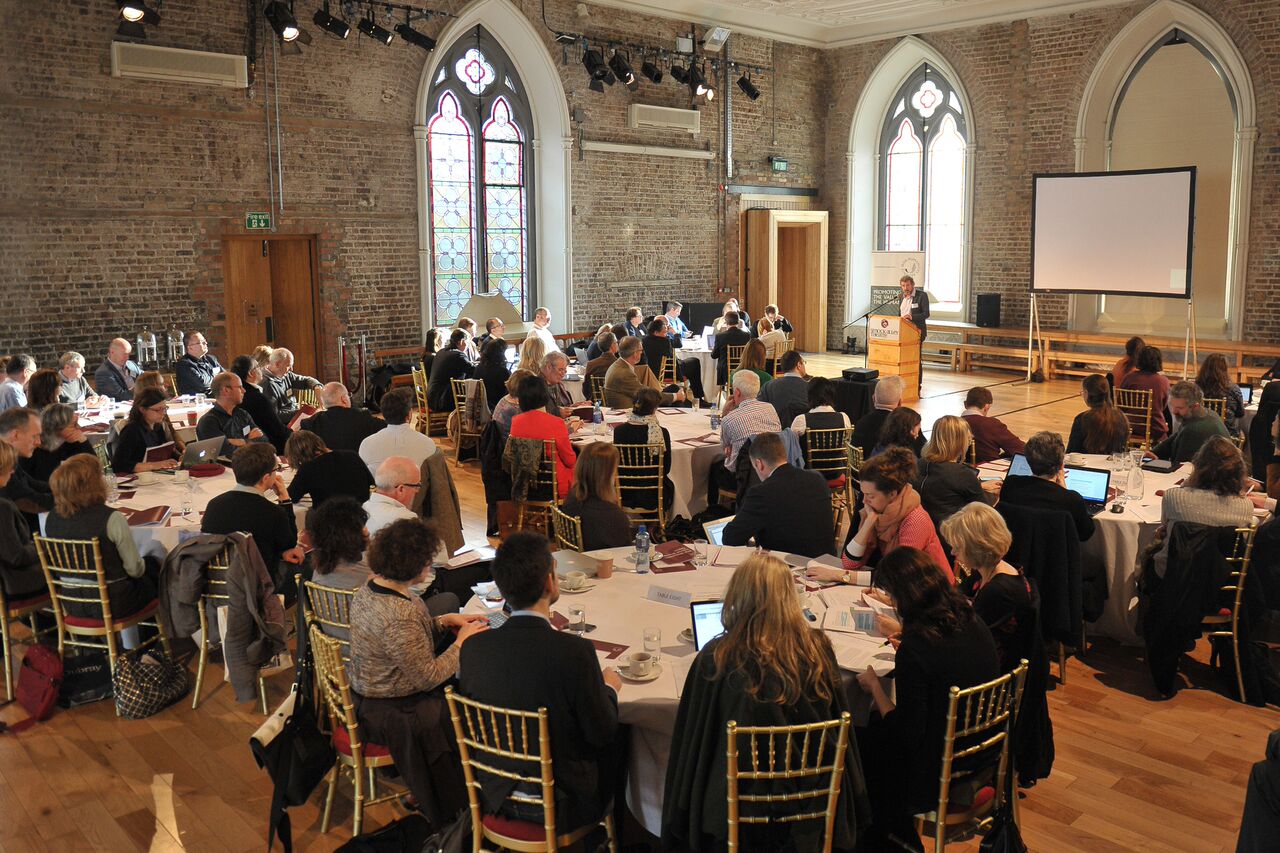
1125,233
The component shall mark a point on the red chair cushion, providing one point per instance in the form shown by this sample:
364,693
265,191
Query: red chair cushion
342,743
985,795
23,603
838,482
521,830
90,622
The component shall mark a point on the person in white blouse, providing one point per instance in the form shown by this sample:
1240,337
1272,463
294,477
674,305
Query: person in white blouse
772,338
399,438
822,400
542,329
396,483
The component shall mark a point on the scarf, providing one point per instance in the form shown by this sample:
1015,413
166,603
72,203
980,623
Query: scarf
890,521
651,421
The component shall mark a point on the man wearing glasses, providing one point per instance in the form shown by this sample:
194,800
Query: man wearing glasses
194,372
396,483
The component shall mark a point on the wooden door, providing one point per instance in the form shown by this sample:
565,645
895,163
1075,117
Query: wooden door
246,295
293,301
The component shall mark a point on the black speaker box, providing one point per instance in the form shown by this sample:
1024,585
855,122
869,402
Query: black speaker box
989,310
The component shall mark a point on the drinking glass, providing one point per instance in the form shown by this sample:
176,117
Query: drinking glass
700,553
578,619
113,488
653,642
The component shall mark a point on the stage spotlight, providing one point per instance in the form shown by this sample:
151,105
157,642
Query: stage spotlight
698,83
375,32
138,12
281,20
621,68
679,74
748,88
653,72
416,38
331,23
593,61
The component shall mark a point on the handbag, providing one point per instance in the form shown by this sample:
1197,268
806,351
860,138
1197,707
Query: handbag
146,682
86,678
38,683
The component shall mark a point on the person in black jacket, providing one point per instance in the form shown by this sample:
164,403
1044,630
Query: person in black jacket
593,498
887,397
642,427
944,482
1048,488
60,439
731,336
657,346
20,429
493,370
256,403
789,510
20,572
527,664
448,365
323,473
147,427
247,509
341,427
194,372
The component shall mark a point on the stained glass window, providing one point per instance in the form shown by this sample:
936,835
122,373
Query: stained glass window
923,162
479,171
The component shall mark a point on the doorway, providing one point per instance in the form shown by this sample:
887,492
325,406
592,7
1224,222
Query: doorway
271,295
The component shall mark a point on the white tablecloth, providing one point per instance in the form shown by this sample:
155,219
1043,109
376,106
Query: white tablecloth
693,348
182,410
621,609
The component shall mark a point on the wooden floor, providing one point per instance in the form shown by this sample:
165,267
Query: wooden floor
1131,773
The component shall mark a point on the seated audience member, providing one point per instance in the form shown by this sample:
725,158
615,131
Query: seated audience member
555,367
726,336
749,418
148,426
944,482
324,473
13,390
151,380
991,437
227,418
532,353
821,399
724,322
194,372
1214,381
527,664
789,510
80,512
1003,599
1196,424
1214,493
339,425
627,376
398,437
769,668
753,360
493,370
658,346
60,439
261,356
20,574
942,644
336,532
535,422
256,403
117,374
246,508
468,325
607,345
493,328
1102,428
43,388
789,393
1128,363
450,364
75,388
594,498
633,322
20,428
509,406
1046,488
279,382
780,323
901,429
642,427
771,339
593,348
398,676
541,330
397,482
676,328
886,397
1147,377
431,344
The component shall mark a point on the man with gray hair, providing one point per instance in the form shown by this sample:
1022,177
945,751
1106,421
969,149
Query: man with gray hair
279,381
20,429
1196,424
75,388
625,378
396,484
341,427
542,329
114,378
555,367
887,397
748,418
13,390
607,342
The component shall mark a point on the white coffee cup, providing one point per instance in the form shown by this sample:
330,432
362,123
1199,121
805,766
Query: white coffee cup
181,477
639,664
573,580
1075,458
146,478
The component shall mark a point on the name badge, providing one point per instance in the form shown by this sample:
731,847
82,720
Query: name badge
247,430
667,595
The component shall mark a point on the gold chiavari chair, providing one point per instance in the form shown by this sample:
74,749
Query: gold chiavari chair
778,351
640,483
428,422
104,458
490,739
1217,405
75,573
170,382
667,371
568,530
975,747
459,387
216,594
14,610
733,357
1228,624
810,755
534,513
596,384
307,397
357,757
1135,405
971,453
826,451
329,607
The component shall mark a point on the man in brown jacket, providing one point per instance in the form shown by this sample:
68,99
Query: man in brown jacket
624,378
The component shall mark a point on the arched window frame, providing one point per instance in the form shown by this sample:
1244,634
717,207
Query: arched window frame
901,109
477,111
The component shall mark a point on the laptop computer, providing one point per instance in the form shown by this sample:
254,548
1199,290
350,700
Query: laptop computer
1246,391
707,624
709,337
1019,467
715,530
202,452
1091,484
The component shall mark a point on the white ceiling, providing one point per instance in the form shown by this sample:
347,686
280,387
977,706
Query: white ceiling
834,23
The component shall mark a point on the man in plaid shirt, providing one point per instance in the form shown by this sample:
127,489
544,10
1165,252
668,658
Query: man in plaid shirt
749,417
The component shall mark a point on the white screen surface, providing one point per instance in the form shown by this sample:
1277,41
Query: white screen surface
1089,483
707,624
1123,233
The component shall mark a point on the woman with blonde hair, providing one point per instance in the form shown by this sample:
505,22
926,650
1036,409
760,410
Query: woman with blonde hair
944,482
595,501
150,379
769,668
532,353
261,357
771,339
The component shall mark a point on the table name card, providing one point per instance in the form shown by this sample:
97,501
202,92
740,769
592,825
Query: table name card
667,595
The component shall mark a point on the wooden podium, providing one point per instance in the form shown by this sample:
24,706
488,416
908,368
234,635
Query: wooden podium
893,348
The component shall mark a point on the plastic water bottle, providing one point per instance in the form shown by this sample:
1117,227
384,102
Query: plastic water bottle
597,414
642,551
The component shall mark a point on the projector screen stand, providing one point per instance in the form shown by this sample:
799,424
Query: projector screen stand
1189,346
1034,374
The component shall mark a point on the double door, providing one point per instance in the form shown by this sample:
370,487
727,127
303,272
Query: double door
271,297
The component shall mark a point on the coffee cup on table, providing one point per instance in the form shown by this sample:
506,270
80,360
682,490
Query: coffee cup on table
573,580
604,567
639,664
146,478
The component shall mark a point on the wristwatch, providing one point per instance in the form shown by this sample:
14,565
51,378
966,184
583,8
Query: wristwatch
846,578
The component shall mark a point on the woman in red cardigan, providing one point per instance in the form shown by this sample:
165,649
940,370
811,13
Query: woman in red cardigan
535,422
891,517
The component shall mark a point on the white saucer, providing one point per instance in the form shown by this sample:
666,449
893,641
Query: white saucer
653,674
586,587
687,635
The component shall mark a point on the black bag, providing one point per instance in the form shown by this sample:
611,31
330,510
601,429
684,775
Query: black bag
145,682
1003,835
86,678
409,834
453,838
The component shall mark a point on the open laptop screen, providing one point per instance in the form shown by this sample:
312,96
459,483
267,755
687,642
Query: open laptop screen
715,530
1089,483
1019,466
707,624
1246,391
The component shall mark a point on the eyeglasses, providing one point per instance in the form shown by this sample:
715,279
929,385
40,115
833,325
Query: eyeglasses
417,485
159,409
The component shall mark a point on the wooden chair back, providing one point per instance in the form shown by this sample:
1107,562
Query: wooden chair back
809,755
779,350
1217,405
971,453
667,371
1135,405
307,397
535,513
217,593
459,388
1228,625
733,357
330,607
104,457
641,481
596,384
568,530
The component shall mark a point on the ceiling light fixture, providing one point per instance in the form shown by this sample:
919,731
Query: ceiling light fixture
281,18
138,12
330,23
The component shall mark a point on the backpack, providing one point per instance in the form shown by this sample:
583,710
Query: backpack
38,683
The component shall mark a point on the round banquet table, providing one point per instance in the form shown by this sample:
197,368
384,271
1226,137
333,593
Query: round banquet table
183,414
621,607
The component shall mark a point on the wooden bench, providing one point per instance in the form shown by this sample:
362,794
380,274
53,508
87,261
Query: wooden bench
1009,352
1062,363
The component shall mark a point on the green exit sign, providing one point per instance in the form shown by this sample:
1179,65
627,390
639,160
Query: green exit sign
257,221
779,164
